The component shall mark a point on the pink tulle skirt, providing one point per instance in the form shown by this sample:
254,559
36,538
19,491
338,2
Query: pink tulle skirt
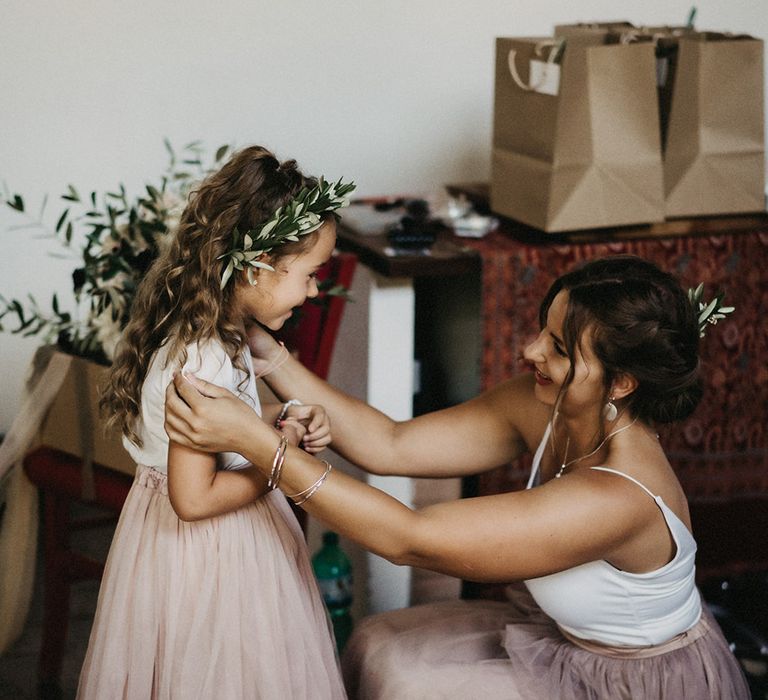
221,608
512,650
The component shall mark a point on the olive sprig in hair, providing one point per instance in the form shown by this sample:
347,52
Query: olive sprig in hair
708,312
302,215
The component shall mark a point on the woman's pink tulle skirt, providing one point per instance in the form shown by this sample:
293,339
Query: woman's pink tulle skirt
221,608
512,650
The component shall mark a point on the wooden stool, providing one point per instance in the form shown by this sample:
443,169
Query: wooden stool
58,475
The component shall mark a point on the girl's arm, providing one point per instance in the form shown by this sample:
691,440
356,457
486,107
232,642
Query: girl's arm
197,490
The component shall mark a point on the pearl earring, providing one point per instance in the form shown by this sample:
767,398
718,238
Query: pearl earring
610,411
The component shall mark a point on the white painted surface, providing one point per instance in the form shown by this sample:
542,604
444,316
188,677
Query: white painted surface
390,389
373,360
397,95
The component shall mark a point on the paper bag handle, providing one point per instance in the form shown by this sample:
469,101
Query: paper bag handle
555,45
630,36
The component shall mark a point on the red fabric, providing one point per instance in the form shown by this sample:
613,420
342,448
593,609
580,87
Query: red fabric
314,336
61,474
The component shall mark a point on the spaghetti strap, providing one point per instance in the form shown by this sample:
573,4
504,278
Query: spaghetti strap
533,478
627,476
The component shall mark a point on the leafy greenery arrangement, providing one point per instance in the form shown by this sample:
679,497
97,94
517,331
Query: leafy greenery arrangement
120,237
708,312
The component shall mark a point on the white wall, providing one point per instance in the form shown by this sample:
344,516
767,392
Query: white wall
396,94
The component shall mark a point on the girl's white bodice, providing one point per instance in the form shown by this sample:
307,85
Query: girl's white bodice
207,360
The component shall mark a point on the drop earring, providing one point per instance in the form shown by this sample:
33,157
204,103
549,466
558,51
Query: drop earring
610,411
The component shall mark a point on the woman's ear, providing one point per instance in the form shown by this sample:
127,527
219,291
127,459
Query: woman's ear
623,385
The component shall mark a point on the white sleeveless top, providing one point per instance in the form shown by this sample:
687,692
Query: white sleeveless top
597,601
207,360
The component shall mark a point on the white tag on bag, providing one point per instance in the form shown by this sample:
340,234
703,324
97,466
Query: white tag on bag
544,77
662,71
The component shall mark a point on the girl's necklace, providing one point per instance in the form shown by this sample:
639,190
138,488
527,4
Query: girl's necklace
564,465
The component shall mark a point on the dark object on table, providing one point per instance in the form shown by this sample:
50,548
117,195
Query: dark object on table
415,229
389,204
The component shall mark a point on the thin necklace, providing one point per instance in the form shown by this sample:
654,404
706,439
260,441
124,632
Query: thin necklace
564,465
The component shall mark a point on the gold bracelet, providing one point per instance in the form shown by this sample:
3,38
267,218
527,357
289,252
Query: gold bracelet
311,490
279,361
277,464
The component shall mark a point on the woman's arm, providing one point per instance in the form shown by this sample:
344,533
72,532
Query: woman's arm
514,536
472,437
270,412
197,490
495,538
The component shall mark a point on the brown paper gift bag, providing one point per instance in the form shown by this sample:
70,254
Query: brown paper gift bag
588,156
714,158
73,423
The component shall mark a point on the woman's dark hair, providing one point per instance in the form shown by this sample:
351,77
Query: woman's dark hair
642,324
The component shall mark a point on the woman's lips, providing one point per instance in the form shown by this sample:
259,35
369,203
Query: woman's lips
541,378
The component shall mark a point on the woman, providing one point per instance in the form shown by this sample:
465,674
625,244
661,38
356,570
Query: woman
601,536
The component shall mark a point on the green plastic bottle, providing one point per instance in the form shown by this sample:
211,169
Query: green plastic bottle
334,576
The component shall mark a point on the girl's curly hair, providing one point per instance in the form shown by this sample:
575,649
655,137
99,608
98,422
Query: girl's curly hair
180,300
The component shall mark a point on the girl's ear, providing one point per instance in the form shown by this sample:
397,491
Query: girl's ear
251,274
623,385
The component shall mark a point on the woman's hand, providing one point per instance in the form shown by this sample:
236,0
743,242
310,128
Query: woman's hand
317,425
208,418
263,347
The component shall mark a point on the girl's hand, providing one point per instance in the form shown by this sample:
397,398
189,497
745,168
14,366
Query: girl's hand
207,417
293,430
317,424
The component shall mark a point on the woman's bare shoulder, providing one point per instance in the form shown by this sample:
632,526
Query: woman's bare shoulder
516,399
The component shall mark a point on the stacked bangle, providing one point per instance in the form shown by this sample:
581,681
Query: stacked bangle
277,464
310,491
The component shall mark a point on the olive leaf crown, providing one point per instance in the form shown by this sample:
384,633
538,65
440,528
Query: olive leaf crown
708,312
300,216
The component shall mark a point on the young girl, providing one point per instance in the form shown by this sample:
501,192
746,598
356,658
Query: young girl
208,590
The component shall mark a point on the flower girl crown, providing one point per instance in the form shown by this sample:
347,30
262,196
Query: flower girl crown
709,312
302,215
